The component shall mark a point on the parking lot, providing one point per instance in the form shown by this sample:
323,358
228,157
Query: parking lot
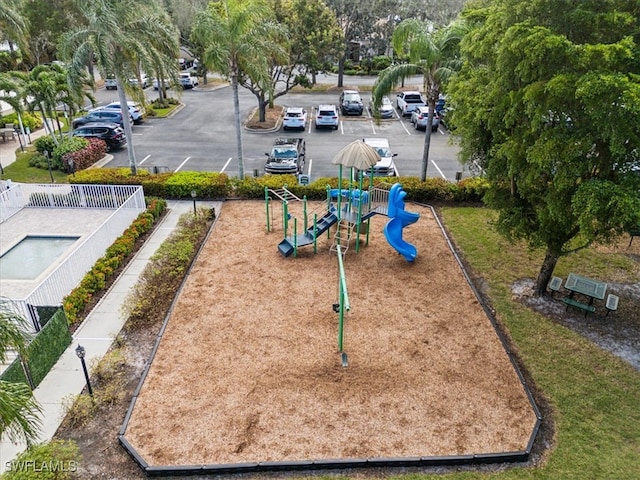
201,137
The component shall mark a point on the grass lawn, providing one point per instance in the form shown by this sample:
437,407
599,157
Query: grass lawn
595,396
20,171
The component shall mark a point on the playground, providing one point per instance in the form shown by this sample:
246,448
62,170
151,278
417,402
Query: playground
249,368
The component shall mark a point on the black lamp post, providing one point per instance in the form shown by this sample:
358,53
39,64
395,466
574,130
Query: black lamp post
193,195
80,352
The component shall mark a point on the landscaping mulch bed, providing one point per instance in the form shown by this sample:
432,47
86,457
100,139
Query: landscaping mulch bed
248,367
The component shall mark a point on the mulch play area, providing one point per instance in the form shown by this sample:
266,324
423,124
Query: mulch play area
248,368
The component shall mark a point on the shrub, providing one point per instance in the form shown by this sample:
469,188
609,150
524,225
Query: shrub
110,369
96,279
78,409
85,157
45,143
381,62
68,145
151,297
56,460
31,121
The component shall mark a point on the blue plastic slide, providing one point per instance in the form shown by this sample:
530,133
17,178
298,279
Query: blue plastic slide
399,218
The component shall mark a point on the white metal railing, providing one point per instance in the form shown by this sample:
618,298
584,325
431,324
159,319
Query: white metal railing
10,200
127,202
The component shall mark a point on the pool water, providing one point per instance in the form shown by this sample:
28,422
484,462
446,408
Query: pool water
32,256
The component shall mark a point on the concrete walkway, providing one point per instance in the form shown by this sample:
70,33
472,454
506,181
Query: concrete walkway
96,334
9,147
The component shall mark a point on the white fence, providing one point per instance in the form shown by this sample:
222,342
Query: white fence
126,201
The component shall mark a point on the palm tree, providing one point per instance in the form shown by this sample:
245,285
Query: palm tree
431,53
232,34
123,36
13,25
19,411
40,89
47,86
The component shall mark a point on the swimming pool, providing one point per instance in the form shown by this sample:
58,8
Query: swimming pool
32,255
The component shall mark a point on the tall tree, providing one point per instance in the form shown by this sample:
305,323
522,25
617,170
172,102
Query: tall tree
48,20
433,53
306,36
236,44
122,36
13,23
357,21
40,89
19,411
547,103
438,12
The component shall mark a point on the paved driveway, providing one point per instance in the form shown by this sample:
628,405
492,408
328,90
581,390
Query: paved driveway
201,137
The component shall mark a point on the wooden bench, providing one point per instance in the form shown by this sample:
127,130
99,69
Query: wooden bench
554,285
612,303
583,306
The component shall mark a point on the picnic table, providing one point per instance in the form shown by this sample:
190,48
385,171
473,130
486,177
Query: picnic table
593,289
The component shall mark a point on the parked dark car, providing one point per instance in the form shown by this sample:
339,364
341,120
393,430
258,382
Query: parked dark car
286,156
112,134
109,116
351,103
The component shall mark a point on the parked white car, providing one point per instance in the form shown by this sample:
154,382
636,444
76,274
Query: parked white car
144,79
187,81
295,117
327,116
136,110
156,83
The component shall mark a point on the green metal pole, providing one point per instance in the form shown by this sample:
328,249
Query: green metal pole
295,237
339,192
343,299
285,217
304,211
266,202
315,233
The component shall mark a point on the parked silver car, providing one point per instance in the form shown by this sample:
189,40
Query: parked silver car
385,110
420,117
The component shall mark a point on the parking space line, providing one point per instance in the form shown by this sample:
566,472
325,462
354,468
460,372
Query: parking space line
403,126
309,167
438,168
342,127
144,159
373,126
182,164
226,165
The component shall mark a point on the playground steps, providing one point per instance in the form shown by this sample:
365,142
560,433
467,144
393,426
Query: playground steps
287,246
343,236
323,224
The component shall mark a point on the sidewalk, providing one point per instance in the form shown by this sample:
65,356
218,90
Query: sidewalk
95,334
9,147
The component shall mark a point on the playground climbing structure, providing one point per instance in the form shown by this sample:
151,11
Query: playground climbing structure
351,210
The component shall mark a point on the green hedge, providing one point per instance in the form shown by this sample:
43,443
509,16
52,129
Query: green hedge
107,266
43,352
14,373
209,185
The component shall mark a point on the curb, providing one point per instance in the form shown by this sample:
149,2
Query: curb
261,130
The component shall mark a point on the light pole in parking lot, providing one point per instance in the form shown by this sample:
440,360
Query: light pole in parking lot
193,195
